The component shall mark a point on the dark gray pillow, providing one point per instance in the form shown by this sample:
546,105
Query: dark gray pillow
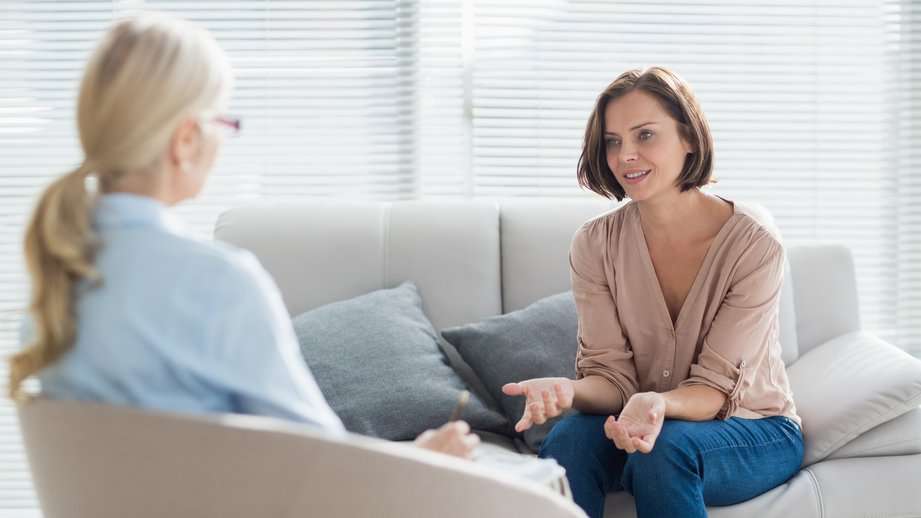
377,360
535,342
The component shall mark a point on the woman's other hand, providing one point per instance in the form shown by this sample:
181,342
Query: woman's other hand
639,424
546,399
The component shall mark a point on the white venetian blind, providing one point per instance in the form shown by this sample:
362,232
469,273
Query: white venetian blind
325,90
326,93
443,109
903,166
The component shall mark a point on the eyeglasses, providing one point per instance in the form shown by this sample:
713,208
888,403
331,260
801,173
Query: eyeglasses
231,125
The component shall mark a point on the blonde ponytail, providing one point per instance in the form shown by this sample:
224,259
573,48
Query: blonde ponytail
60,244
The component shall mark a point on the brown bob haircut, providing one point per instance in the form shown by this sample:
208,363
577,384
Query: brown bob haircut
676,97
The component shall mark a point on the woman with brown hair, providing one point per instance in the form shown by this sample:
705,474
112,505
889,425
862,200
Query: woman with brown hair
682,395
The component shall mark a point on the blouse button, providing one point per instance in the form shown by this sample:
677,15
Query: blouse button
666,373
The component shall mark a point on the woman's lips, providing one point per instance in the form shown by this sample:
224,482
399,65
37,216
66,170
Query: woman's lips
636,180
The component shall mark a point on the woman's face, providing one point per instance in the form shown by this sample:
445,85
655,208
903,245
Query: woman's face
643,146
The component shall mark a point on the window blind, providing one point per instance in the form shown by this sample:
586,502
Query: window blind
902,154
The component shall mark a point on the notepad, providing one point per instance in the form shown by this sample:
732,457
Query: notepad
545,472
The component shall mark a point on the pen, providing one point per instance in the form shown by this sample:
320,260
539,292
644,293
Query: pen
462,399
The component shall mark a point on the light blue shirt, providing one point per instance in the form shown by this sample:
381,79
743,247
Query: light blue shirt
180,324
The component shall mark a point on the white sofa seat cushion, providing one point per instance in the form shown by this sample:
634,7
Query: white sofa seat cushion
798,497
848,386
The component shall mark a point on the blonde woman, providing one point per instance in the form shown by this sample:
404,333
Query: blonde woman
126,307
683,397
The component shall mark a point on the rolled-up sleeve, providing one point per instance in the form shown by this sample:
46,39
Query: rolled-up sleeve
603,349
745,324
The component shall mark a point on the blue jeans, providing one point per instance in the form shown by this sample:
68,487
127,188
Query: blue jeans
691,466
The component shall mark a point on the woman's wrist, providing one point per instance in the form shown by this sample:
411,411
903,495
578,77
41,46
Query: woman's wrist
672,404
693,403
596,395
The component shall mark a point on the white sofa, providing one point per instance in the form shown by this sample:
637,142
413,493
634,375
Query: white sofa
472,260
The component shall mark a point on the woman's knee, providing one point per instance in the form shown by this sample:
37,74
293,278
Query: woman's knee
677,435
575,435
671,455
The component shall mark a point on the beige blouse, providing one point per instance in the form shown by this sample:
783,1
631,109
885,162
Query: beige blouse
725,336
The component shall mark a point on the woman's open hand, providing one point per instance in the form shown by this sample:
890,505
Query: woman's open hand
639,423
546,399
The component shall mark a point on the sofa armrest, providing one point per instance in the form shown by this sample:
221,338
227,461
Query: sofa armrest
901,436
848,386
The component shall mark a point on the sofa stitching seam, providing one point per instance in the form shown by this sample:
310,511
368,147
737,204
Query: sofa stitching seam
865,452
818,491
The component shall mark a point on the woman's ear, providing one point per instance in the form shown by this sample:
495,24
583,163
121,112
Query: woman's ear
185,145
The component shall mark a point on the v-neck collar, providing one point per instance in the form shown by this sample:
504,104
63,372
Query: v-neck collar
654,278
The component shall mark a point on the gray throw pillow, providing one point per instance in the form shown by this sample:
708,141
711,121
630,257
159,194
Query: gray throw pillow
377,360
535,342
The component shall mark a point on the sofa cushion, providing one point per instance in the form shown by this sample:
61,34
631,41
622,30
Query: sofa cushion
322,251
868,487
848,386
901,436
534,342
796,498
535,245
377,361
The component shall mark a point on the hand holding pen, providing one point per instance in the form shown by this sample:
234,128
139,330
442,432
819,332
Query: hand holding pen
454,437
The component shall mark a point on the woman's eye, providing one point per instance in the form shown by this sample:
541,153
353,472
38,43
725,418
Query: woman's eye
612,142
645,135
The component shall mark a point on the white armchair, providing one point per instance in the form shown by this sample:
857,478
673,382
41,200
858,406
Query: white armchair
99,461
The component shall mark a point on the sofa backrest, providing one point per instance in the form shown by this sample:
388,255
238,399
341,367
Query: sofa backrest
322,252
470,259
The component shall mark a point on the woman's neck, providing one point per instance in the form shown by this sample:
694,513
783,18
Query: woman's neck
673,210
143,184
684,217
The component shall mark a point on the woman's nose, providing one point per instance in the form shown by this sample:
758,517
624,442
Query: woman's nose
628,155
